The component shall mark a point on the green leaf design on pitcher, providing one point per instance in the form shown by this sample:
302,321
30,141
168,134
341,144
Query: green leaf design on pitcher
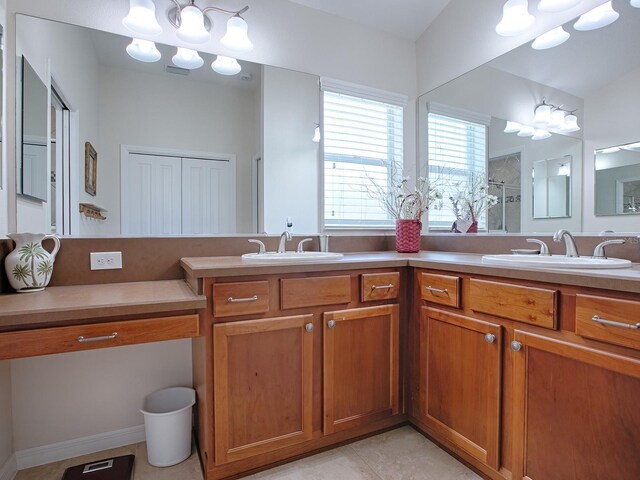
29,252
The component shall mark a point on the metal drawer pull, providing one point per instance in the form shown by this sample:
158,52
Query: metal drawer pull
81,339
437,290
604,321
516,346
309,327
242,300
489,338
331,324
380,287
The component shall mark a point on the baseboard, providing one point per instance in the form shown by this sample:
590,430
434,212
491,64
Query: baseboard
32,457
9,469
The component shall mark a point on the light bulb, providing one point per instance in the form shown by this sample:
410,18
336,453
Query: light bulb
557,119
192,25
526,131
542,116
557,5
540,135
570,124
597,18
142,18
551,39
515,18
187,58
143,50
236,37
226,65
512,127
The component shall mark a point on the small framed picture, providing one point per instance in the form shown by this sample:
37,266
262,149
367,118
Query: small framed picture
90,168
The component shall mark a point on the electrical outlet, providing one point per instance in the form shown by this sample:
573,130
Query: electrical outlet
106,260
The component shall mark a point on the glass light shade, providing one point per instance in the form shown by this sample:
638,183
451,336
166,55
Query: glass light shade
570,124
597,18
557,119
635,3
192,25
564,170
557,5
236,37
142,18
551,39
226,66
512,127
542,116
540,135
187,58
316,134
526,131
143,50
515,18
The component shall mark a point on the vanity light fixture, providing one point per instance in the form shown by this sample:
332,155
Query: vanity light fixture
557,5
141,18
526,131
226,65
597,18
570,124
557,119
540,134
143,50
187,58
512,127
236,37
515,18
635,3
551,39
564,170
542,115
191,27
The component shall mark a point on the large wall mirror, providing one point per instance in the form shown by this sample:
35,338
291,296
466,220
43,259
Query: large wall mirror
147,148
540,180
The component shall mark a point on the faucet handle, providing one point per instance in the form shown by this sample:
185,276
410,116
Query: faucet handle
598,252
544,250
259,243
300,248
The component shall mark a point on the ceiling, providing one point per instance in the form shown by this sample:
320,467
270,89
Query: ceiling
403,18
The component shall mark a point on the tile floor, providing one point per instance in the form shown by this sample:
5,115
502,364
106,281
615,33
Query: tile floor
401,454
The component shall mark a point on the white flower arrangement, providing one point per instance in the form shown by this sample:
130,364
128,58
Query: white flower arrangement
471,197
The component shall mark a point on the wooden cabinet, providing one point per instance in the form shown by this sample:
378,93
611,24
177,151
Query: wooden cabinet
576,412
263,378
361,366
460,389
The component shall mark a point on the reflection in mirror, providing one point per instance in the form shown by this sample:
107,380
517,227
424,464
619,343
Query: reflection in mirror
618,180
33,171
552,188
179,152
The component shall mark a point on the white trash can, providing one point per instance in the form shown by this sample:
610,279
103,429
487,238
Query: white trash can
167,425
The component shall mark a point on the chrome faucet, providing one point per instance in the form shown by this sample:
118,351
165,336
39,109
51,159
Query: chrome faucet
569,242
285,237
598,252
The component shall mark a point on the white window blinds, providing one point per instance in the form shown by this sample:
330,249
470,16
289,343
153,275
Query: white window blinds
362,140
457,149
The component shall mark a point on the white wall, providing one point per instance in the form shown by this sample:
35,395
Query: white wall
72,395
6,415
4,194
173,113
291,106
613,116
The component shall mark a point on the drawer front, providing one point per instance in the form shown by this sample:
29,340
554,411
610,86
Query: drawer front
45,341
379,286
310,292
441,289
609,320
536,306
241,298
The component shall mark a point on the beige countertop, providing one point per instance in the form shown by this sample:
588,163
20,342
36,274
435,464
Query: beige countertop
56,306
623,279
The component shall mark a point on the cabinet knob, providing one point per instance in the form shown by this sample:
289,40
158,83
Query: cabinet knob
331,324
489,338
516,346
309,327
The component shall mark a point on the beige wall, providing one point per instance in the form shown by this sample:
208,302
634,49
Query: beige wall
6,416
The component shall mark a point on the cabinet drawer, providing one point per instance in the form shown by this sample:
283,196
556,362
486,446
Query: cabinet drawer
241,298
379,286
609,320
310,292
441,289
536,306
45,341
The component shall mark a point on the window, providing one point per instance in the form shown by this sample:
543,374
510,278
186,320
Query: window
362,144
457,151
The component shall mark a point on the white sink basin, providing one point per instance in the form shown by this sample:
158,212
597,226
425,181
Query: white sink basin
555,261
275,257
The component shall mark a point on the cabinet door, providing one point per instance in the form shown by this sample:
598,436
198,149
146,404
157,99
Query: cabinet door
262,385
576,411
361,366
460,373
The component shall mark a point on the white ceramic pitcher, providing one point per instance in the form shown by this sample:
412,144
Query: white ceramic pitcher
29,266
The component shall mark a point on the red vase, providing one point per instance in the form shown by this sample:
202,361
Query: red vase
408,236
